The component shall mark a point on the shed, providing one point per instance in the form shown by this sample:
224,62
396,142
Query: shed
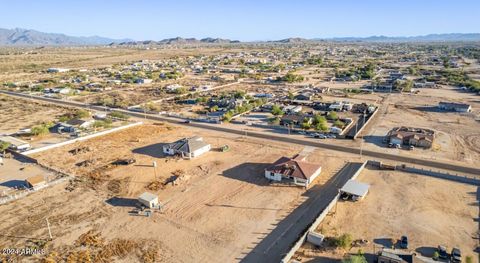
357,189
15,144
315,238
148,199
35,181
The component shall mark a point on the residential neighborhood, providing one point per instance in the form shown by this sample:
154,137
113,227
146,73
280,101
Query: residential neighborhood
272,131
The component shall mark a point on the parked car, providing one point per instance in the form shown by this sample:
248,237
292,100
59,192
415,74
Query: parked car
331,136
404,242
456,255
411,148
442,252
187,121
320,136
302,133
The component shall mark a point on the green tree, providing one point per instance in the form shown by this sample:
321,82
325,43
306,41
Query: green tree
41,129
227,117
339,124
306,125
277,111
290,95
317,119
321,126
332,115
4,146
214,108
355,259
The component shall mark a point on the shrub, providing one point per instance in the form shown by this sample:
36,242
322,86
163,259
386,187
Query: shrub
344,241
82,114
118,115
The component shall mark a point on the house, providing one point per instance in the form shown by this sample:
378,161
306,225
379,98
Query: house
73,125
35,181
149,200
451,106
411,136
173,88
188,148
304,96
290,109
15,144
81,124
294,119
336,106
297,169
355,189
57,70
143,81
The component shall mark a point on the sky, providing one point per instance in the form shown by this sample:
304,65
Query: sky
245,20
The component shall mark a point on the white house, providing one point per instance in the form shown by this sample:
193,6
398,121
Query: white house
143,81
451,106
173,87
188,148
148,199
15,144
297,169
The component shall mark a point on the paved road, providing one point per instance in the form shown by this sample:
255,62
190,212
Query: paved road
269,136
277,243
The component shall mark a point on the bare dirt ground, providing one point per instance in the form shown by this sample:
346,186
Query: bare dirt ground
429,211
216,211
17,114
457,135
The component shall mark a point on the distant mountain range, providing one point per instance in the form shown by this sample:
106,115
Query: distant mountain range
26,37
452,37
179,41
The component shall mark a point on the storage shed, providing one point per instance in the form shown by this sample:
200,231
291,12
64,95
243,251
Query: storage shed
356,189
148,199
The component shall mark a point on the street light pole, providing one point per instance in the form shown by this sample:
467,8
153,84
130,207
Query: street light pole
155,169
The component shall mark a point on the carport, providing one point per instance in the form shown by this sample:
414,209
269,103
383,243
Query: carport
355,189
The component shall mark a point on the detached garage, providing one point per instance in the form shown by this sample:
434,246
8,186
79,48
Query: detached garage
149,200
354,189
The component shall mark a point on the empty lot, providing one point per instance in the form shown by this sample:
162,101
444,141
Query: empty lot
218,210
429,211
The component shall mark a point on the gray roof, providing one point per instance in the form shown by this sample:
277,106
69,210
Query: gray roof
149,197
355,188
188,145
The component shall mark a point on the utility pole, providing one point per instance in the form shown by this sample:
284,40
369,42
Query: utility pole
155,169
49,231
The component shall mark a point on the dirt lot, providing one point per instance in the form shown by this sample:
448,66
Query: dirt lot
457,138
429,211
220,205
17,114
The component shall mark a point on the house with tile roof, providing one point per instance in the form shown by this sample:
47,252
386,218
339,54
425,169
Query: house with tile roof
296,169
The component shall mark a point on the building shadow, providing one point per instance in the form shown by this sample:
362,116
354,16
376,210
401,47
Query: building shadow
122,202
375,139
428,109
253,173
14,184
385,242
323,259
152,150
426,251
290,228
